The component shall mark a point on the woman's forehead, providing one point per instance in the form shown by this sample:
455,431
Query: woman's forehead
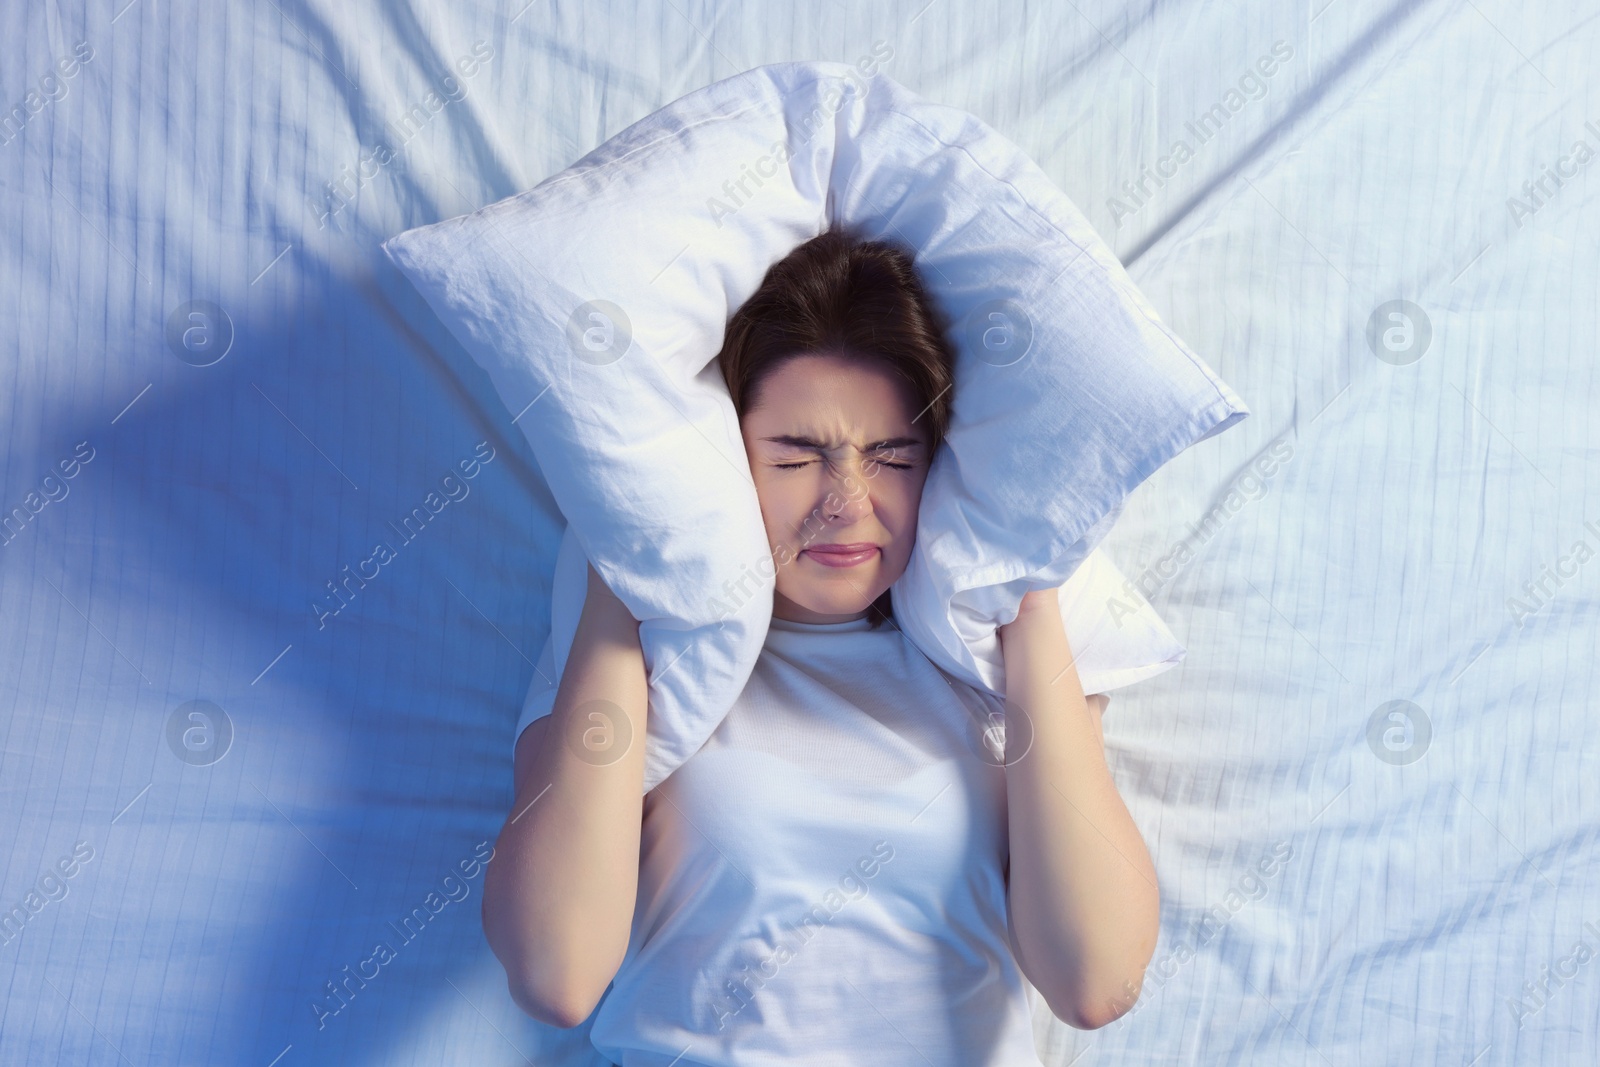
823,403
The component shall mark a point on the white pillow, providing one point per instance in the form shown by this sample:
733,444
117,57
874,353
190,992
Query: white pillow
597,301
1109,652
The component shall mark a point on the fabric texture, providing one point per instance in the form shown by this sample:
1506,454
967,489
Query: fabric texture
1069,390
825,876
1381,529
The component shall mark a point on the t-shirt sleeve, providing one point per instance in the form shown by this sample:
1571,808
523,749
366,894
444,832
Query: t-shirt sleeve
541,698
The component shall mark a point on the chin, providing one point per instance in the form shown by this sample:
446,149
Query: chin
836,598
826,604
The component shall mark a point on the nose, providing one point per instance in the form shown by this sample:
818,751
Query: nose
846,498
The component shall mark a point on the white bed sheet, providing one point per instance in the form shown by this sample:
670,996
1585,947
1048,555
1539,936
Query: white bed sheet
212,906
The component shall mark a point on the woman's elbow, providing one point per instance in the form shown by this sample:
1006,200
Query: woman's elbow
1093,1009
542,989
560,1007
1090,1016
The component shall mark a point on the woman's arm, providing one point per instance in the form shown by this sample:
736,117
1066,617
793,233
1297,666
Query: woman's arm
1081,891
558,899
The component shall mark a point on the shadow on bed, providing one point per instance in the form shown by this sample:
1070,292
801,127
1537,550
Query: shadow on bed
328,867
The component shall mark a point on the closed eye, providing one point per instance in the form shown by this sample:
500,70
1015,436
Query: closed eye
807,463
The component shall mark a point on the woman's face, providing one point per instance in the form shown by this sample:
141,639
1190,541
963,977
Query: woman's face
837,461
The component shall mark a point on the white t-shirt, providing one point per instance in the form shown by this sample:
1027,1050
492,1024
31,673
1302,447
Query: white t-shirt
822,882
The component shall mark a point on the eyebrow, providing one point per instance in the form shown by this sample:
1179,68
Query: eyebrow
800,441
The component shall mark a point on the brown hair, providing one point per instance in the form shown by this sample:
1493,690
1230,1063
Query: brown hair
839,292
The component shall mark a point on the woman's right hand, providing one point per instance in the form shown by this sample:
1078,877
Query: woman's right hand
605,607
599,592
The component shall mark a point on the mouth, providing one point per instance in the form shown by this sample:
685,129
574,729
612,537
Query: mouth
851,555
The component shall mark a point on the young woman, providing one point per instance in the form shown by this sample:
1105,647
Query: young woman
857,866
